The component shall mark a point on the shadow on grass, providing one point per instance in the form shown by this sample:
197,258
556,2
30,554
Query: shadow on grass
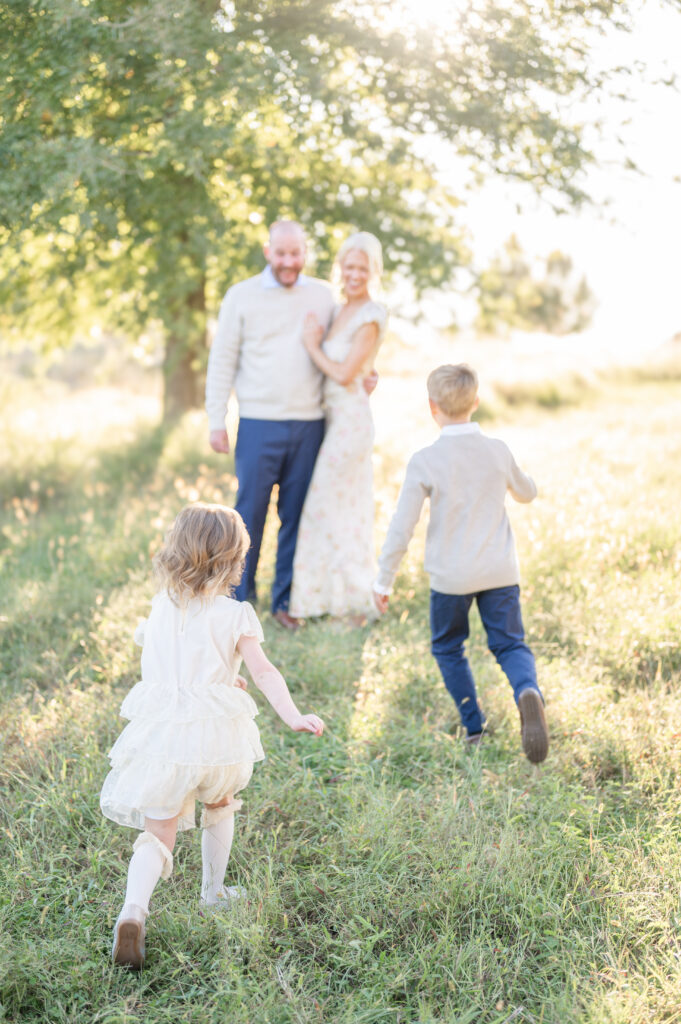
67,560
322,664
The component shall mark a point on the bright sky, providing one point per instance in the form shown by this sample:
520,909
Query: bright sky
630,251
432,12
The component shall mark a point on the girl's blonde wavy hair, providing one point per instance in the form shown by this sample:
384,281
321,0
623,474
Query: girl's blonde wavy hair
203,553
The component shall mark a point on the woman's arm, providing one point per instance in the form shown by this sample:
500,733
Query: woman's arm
272,684
362,348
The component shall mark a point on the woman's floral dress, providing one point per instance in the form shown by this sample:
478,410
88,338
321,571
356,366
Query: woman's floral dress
334,565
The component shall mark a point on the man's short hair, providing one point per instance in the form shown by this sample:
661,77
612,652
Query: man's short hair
291,226
453,388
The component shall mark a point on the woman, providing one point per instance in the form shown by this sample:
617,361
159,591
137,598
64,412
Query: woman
333,569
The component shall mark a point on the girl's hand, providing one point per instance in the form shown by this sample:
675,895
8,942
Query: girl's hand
241,683
308,723
381,601
313,332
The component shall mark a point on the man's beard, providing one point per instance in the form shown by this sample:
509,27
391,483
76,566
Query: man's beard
285,284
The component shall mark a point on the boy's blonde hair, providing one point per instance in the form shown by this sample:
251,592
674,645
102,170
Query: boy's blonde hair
203,553
453,388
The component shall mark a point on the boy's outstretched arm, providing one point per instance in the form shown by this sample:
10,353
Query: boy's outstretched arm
521,486
409,504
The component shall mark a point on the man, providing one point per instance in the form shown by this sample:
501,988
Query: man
258,350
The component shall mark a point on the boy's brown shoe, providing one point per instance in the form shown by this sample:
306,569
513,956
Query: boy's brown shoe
533,729
128,943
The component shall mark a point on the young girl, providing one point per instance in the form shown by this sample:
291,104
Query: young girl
191,734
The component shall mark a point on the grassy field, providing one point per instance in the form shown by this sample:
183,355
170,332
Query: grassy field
393,876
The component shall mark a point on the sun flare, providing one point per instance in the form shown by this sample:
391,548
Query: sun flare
426,13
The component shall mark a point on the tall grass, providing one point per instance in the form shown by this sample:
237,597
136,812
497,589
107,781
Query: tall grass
393,876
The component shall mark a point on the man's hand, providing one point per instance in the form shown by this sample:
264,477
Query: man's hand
381,601
370,381
219,441
241,683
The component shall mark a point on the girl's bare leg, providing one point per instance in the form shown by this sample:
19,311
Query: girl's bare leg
164,829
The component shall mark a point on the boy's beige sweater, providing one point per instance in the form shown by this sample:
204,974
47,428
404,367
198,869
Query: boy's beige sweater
258,350
469,544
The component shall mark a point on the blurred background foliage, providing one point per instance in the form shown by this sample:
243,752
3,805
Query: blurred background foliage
550,297
146,146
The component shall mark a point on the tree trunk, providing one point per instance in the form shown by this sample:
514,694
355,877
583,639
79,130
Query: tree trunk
182,382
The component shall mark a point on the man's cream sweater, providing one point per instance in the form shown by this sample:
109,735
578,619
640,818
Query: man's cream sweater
258,350
469,544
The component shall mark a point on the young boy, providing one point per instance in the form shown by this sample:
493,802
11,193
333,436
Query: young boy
470,553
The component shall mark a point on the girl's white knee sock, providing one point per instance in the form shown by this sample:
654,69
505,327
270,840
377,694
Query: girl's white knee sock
146,865
216,843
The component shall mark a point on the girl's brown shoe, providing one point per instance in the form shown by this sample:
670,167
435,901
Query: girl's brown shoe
128,941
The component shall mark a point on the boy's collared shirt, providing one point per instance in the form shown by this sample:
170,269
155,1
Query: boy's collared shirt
454,429
469,543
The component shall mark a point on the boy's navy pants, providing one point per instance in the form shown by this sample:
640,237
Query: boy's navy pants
270,452
500,613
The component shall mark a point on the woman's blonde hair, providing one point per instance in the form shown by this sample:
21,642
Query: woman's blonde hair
203,553
367,243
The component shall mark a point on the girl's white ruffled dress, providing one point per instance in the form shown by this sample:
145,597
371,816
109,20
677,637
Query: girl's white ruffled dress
191,733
